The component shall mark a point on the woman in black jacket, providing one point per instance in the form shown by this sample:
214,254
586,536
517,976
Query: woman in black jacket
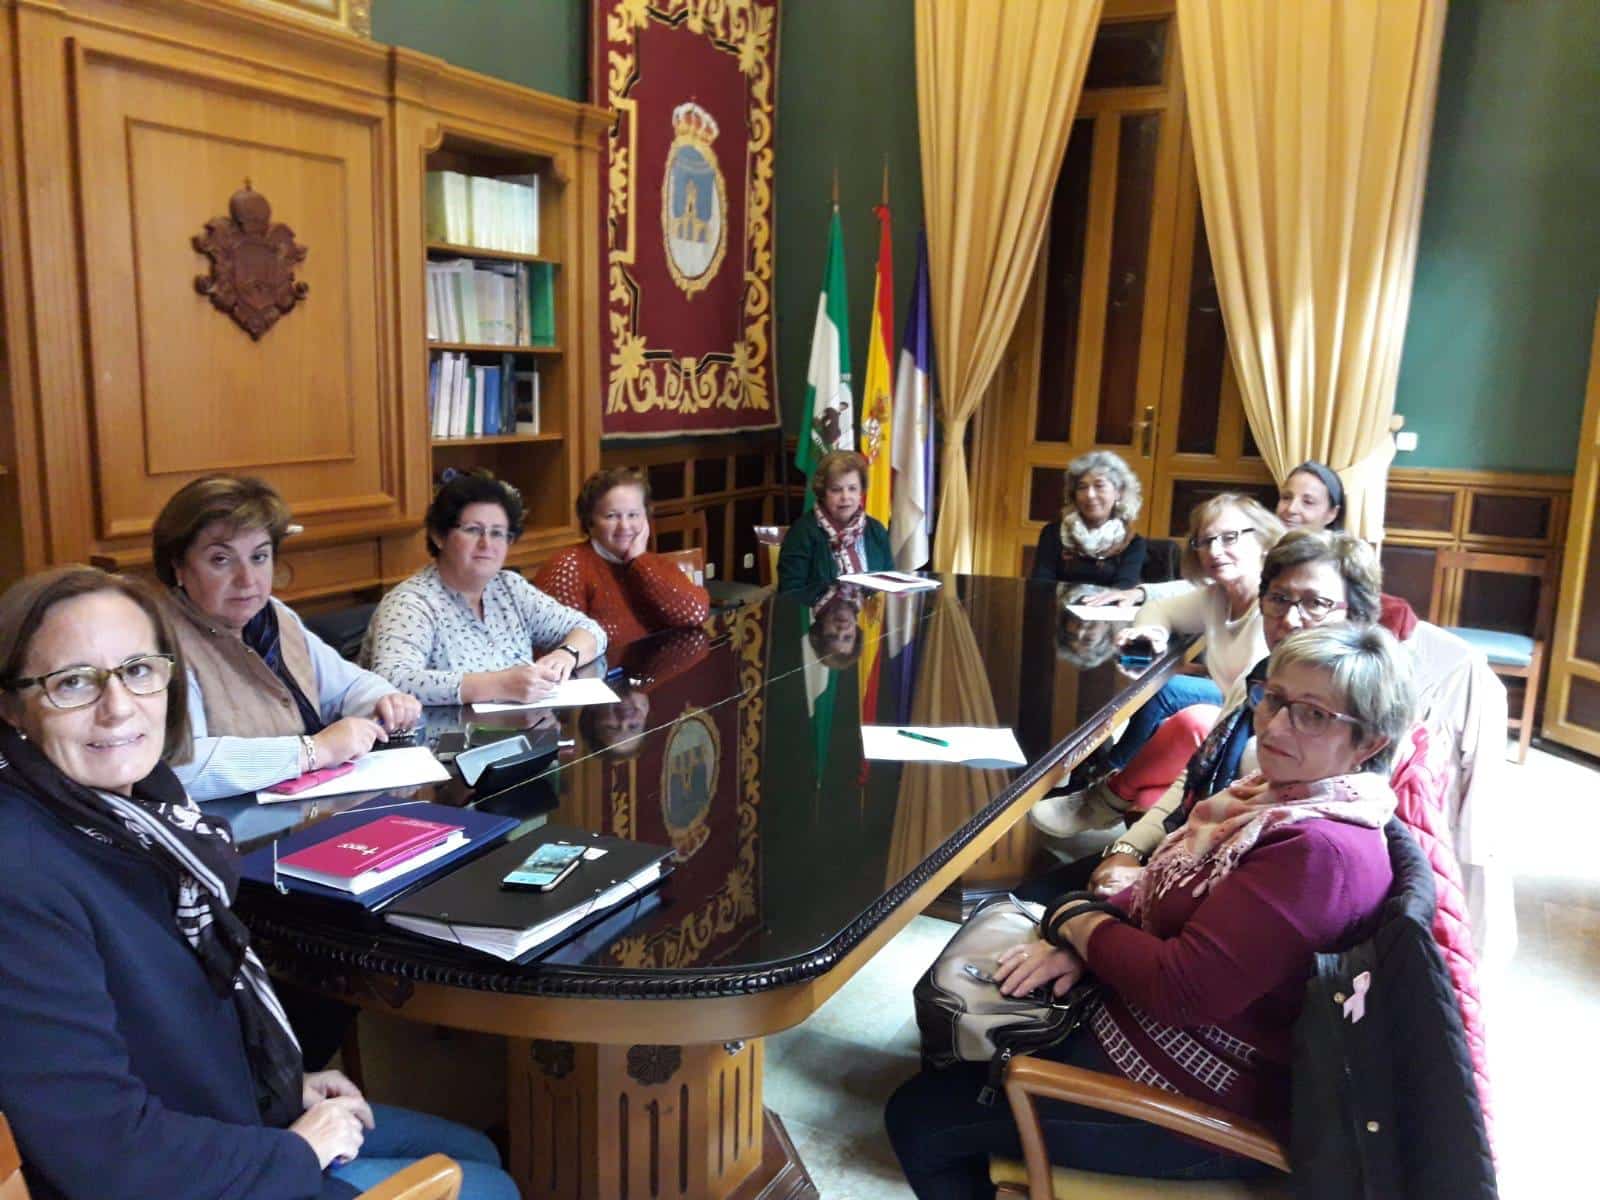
1094,542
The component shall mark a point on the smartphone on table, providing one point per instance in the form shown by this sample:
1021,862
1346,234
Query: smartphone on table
545,867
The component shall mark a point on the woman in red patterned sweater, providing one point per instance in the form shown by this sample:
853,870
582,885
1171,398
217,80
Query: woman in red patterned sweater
612,578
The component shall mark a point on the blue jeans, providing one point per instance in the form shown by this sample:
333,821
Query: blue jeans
401,1136
944,1137
1178,692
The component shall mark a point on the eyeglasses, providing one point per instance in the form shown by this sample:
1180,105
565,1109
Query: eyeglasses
76,687
1313,609
1307,718
475,532
1223,540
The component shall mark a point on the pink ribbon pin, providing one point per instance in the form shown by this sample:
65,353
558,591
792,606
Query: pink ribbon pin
1355,1007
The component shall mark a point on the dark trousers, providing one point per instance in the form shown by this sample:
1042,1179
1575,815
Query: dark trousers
944,1137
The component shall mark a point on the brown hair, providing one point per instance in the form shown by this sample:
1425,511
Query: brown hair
240,502
834,464
25,605
595,487
1355,561
459,491
1267,527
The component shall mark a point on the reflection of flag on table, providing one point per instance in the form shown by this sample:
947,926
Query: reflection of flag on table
911,524
830,411
876,403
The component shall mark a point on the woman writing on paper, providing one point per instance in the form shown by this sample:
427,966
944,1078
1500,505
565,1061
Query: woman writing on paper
836,537
465,630
268,699
147,1053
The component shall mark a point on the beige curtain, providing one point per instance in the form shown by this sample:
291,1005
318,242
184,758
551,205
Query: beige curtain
997,87
1311,122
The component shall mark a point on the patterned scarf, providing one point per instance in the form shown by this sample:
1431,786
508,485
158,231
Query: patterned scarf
844,542
195,858
261,635
1079,541
1224,828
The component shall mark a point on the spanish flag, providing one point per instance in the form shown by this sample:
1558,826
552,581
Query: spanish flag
877,403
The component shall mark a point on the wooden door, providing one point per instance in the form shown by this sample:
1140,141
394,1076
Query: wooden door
1120,345
1572,701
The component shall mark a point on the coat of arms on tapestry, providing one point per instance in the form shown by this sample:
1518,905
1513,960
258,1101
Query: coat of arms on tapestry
686,223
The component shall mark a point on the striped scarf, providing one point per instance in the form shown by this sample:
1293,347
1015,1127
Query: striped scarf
195,858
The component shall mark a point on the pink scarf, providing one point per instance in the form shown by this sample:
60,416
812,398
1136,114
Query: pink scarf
844,543
1221,830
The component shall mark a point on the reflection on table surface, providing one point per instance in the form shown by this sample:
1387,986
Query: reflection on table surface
739,746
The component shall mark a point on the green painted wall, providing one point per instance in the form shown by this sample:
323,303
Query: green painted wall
1508,266
540,44
847,96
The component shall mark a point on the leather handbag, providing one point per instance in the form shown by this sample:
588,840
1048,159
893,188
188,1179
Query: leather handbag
961,1014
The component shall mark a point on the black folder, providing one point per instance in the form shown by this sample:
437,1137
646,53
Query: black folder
470,908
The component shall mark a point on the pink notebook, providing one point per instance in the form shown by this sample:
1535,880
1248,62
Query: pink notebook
362,858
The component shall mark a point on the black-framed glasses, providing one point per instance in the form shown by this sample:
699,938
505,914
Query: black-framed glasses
493,532
1305,717
77,687
1222,541
1313,609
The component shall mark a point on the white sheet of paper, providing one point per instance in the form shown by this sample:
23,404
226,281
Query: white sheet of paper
970,745
1103,612
891,581
571,693
380,771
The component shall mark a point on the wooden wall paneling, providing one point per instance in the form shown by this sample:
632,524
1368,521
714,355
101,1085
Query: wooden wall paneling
21,524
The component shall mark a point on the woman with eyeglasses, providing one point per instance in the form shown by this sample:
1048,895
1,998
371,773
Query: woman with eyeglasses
464,630
268,699
147,1052
1204,981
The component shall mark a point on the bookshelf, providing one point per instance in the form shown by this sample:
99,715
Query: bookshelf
500,288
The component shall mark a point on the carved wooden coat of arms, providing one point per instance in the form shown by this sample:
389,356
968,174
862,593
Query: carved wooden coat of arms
252,263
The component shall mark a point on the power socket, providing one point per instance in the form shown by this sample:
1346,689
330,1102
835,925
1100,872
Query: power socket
1405,440
749,561
711,570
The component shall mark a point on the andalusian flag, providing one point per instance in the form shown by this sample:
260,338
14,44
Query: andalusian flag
911,527
830,412
876,402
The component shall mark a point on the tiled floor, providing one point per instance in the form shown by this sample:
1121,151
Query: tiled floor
829,1078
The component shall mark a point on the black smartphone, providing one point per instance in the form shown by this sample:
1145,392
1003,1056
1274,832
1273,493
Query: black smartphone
545,867
449,744
406,737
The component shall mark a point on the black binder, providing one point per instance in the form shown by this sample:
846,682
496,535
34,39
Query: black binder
470,908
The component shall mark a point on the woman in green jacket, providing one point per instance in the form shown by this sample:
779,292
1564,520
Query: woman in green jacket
836,537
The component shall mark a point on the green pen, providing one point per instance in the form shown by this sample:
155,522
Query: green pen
922,737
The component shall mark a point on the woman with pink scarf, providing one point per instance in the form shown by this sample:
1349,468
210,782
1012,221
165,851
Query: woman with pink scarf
835,537
1204,979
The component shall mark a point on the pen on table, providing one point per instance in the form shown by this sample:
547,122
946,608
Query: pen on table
922,737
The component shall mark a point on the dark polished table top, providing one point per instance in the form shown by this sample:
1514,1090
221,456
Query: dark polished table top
739,746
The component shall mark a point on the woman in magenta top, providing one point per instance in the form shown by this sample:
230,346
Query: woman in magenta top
1205,980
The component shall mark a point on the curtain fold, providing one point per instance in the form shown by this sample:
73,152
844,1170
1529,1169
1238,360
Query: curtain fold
1311,123
997,88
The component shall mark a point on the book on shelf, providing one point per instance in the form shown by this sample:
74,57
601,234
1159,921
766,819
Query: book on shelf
491,303
483,211
467,399
480,831
469,907
525,401
359,859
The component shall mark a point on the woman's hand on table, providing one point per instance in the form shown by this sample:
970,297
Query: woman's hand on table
1156,635
1133,595
521,684
335,1128
556,665
346,739
1115,872
1034,964
397,712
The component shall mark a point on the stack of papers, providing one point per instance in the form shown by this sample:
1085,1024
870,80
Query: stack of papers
1103,612
891,581
969,745
570,693
380,771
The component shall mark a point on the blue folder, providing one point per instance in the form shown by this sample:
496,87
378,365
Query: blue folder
483,831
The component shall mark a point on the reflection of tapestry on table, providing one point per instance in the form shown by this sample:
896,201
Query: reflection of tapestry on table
686,228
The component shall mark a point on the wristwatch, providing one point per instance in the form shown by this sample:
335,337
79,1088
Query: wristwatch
1122,847
576,657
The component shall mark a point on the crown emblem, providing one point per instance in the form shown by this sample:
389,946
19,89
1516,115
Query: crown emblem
693,123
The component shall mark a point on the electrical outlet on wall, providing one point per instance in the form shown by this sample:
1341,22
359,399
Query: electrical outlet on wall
749,561
1405,440
711,570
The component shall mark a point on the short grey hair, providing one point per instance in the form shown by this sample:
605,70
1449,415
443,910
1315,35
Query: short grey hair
1129,494
1355,561
1369,670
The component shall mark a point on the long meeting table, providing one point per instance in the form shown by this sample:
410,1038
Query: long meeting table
634,1052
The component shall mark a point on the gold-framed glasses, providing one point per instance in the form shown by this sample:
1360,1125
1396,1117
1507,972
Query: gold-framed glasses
76,687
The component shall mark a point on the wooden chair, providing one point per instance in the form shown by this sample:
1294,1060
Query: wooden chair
681,531
691,561
1162,560
433,1178
1511,655
769,541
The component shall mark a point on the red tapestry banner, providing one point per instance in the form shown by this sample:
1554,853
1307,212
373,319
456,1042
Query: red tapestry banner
687,223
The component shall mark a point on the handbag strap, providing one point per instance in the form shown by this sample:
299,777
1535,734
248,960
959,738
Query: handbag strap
1071,906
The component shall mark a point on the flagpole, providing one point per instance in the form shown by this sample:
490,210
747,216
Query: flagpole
886,181
835,185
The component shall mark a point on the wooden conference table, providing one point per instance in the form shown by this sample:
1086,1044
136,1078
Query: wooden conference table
635,1052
